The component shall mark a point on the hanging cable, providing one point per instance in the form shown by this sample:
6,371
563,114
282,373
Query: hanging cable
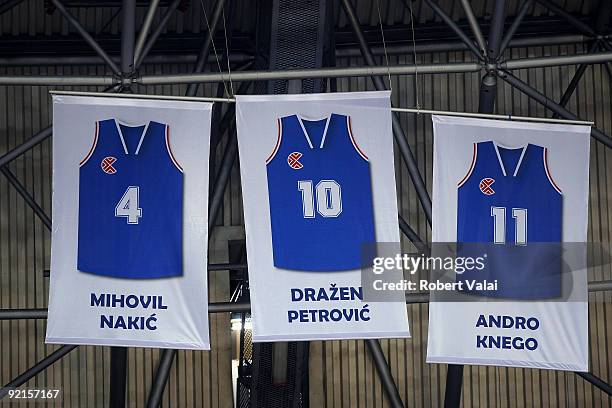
414,54
212,41
382,34
227,51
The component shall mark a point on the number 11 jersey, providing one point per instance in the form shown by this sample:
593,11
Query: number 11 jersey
130,204
510,209
320,195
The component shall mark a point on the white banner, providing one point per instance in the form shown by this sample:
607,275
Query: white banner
521,188
318,183
130,223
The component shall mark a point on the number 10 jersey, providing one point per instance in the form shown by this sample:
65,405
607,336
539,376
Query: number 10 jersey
130,204
320,195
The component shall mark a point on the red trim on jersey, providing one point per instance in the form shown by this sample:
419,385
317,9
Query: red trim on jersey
552,182
279,126
469,173
178,166
350,129
93,146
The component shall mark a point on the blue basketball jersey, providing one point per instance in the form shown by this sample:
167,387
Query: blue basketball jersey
320,195
130,204
509,203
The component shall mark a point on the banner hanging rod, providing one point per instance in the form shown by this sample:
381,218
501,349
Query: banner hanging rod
402,110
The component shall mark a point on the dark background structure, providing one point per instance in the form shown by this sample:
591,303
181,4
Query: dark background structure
544,58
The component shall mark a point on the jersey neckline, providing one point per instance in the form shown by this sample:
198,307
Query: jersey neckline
524,148
323,137
119,123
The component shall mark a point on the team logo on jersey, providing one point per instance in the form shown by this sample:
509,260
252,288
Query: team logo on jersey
485,186
107,165
294,160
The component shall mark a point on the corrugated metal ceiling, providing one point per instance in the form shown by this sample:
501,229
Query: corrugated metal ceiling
31,17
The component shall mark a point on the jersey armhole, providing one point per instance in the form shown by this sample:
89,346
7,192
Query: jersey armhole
169,148
279,126
93,146
546,168
355,145
471,169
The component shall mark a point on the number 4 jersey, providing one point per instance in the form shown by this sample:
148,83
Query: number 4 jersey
510,208
130,204
320,195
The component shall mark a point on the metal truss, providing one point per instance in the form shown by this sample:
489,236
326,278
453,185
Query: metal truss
488,58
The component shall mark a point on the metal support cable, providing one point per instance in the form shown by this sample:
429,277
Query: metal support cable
227,162
192,89
398,133
35,369
144,31
469,13
568,17
156,33
449,21
384,372
518,19
38,210
88,38
548,103
497,29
